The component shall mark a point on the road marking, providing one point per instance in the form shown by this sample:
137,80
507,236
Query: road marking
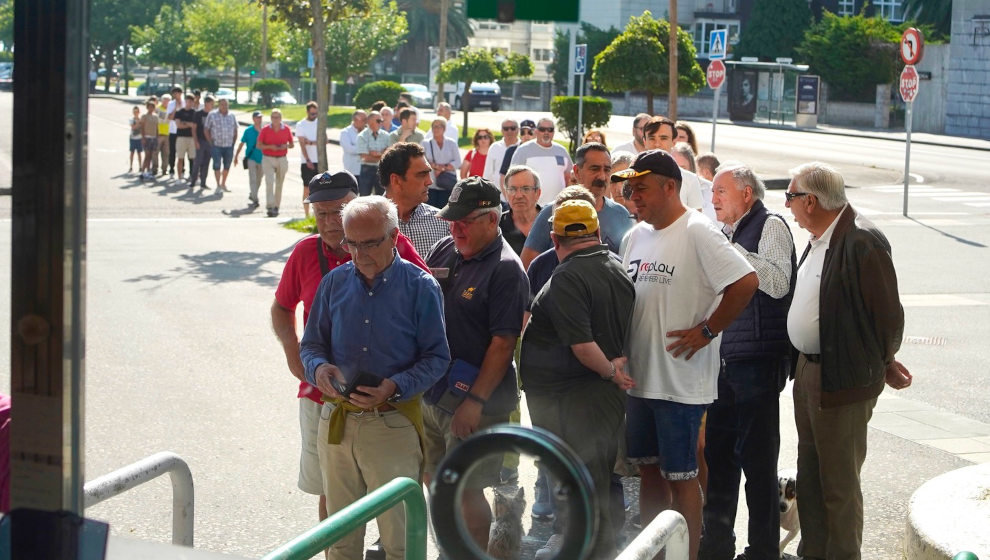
917,177
978,204
962,199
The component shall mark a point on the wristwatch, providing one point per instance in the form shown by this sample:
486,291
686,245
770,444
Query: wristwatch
611,374
707,332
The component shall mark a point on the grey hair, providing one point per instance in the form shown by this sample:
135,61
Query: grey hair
516,169
621,157
823,181
744,176
441,119
684,150
376,206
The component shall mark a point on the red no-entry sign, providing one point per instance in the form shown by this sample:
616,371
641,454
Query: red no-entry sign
909,84
716,74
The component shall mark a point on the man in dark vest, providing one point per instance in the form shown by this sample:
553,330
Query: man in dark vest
743,427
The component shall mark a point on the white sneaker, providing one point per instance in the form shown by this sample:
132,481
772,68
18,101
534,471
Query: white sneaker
551,549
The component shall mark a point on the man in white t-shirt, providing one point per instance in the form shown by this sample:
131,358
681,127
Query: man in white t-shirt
306,130
690,285
173,130
548,158
443,110
659,134
493,164
635,145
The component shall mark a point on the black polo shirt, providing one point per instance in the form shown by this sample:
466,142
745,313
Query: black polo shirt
185,115
589,298
199,117
484,296
515,238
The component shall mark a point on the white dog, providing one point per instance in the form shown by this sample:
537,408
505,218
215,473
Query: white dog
787,490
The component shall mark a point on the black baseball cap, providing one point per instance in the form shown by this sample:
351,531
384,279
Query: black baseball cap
331,186
468,195
650,161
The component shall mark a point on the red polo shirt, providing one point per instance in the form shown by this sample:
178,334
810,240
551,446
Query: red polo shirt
269,136
302,275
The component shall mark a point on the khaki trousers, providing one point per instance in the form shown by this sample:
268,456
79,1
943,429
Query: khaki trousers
275,169
831,452
376,448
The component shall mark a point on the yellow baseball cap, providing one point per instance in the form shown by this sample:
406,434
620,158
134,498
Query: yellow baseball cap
574,218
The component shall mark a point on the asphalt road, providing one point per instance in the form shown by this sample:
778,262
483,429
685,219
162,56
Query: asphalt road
180,354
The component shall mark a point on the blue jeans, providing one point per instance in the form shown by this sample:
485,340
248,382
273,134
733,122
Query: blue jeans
368,181
222,154
742,435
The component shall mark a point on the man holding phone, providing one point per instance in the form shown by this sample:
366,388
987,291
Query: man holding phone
372,435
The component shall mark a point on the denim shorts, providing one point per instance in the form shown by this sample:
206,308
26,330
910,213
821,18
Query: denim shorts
135,145
221,153
665,433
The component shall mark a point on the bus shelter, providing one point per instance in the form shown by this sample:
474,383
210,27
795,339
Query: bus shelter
767,92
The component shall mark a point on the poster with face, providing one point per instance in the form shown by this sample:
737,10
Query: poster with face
742,95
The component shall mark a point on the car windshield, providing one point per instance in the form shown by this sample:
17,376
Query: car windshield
414,87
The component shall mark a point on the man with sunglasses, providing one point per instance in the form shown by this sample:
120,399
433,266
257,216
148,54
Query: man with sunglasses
493,164
371,422
485,294
527,132
548,158
310,260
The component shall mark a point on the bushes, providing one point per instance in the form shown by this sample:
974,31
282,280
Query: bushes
204,84
270,87
374,91
596,112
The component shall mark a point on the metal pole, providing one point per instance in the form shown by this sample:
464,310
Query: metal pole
718,90
570,61
668,532
907,155
580,130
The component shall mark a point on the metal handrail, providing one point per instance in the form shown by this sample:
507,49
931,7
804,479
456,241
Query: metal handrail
149,468
668,531
332,529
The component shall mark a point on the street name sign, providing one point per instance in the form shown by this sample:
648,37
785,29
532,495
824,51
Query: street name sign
716,74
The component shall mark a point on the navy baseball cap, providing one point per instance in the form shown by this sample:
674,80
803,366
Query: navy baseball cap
331,186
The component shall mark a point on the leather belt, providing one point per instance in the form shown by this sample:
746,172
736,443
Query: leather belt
813,358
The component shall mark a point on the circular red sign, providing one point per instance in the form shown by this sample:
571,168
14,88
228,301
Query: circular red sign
716,74
912,46
909,84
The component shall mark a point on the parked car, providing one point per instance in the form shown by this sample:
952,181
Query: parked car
155,88
6,75
102,72
284,98
225,93
483,94
421,96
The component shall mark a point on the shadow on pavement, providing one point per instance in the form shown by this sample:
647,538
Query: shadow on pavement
962,240
221,267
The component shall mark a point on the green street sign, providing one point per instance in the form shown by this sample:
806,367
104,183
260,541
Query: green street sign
511,10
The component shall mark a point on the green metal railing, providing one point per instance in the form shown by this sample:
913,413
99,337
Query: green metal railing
404,490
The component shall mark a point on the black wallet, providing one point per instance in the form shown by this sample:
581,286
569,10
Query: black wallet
364,379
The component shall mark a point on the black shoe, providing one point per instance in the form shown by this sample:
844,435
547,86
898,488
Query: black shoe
253,203
272,212
376,552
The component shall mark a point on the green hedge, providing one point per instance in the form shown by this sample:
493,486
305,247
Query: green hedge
204,84
384,90
596,113
270,87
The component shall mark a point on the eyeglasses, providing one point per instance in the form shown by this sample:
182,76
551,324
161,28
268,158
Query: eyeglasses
524,190
545,128
792,195
527,132
351,246
466,222
509,127
484,137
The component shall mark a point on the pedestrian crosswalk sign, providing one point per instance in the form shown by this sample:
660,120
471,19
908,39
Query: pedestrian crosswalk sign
716,44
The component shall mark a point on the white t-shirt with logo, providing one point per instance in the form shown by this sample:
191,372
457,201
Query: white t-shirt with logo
680,273
307,129
549,162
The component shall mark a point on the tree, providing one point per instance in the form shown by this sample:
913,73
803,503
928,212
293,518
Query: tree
110,24
775,29
937,14
596,39
315,17
852,54
480,65
165,41
7,24
637,61
354,41
224,33
424,32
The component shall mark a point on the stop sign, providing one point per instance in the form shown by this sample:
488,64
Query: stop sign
909,84
716,74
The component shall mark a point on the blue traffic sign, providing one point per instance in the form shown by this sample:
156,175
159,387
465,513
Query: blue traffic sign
580,59
716,44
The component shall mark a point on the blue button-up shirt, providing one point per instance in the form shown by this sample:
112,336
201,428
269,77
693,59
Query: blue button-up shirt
393,328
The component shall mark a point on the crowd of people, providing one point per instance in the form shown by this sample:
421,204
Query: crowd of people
644,298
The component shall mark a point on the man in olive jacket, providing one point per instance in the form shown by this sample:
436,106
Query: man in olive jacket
846,322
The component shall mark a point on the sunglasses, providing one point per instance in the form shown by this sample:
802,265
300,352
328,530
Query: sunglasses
484,137
509,127
527,132
545,128
792,195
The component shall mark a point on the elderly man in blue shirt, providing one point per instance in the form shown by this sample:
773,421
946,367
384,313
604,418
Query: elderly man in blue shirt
372,422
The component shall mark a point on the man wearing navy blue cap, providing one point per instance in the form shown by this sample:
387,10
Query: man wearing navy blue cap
485,294
312,258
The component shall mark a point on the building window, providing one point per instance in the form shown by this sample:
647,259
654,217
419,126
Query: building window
891,10
542,55
703,29
847,7
492,25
